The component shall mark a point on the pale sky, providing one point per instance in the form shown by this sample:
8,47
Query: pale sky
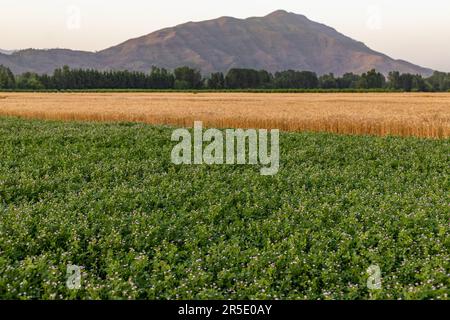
413,30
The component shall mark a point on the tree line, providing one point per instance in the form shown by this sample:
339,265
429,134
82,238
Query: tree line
186,78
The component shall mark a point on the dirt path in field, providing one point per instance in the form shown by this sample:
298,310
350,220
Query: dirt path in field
404,114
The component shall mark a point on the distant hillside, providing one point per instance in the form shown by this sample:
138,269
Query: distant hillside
6,51
45,61
278,41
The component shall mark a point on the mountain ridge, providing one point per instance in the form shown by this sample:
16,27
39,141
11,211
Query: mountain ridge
6,52
278,41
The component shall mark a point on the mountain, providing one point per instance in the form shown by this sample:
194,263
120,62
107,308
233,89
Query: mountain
45,61
6,51
278,41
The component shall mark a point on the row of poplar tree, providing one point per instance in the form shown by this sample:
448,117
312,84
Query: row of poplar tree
185,78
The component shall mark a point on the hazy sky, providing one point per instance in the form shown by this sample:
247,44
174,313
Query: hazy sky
414,30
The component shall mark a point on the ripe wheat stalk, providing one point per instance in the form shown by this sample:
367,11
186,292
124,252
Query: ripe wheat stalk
400,114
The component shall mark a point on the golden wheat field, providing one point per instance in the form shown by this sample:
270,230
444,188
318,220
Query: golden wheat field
403,114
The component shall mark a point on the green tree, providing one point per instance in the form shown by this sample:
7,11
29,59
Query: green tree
372,80
7,80
394,80
327,81
187,78
291,79
348,81
419,84
160,79
29,81
406,81
238,78
265,79
439,81
216,81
